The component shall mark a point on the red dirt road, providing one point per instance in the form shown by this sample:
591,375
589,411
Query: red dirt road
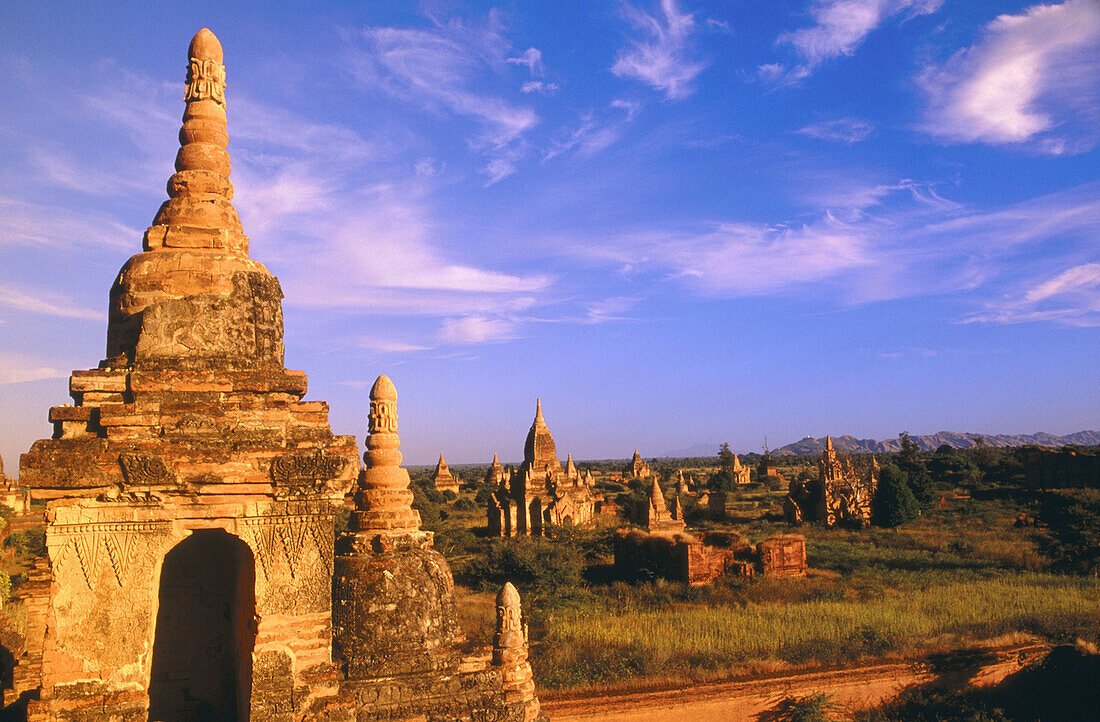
744,700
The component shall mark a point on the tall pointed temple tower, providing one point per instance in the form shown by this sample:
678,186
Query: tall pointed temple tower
192,493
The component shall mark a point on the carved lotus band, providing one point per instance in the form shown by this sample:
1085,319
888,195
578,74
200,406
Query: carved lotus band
205,81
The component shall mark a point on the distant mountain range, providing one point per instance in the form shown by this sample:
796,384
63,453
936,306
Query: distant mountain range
931,442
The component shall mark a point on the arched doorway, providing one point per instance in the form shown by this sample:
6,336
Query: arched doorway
202,651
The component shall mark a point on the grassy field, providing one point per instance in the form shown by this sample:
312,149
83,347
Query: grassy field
602,644
961,574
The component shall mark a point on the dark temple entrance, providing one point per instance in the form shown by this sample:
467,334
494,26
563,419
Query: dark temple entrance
202,652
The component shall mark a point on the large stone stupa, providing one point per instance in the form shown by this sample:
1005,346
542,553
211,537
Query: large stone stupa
191,502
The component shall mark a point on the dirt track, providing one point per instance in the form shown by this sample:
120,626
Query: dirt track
745,699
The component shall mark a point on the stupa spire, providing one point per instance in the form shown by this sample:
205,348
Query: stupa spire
383,502
199,213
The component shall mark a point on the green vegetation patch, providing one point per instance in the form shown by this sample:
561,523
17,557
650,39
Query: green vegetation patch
671,640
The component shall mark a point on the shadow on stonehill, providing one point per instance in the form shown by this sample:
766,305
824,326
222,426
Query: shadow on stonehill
1061,686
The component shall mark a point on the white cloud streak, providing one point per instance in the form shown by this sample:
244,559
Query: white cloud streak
896,241
30,224
662,57
442,69
46,303
17,369
1071,298
477,330
1030,79
840,27
841,130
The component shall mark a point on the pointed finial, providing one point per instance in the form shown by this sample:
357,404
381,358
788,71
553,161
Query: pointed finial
495,462
383,389
205,46
828,442
538,408
508,596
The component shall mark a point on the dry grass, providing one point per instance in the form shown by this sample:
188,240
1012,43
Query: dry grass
599,646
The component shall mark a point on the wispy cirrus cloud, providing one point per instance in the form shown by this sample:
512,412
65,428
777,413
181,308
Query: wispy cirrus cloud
19,368
443,69
1072,298
886,242
538,86
45,303
336,214
477,330
34,224
1030,80
839,28
662,56
595,131
841,130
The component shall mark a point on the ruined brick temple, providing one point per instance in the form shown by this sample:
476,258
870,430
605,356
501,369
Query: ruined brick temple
664,548
193,569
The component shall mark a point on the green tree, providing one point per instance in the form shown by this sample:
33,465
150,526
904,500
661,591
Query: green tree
894,503
721,481
725,456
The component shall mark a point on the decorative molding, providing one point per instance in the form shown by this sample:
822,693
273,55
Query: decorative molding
305,472
205,81
141,469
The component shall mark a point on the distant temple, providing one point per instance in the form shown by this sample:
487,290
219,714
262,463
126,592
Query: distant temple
442,477
636,469
540,492
656,517
839,495
665,548
495,473
739,471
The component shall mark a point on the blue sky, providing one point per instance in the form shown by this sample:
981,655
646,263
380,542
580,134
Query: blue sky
676,222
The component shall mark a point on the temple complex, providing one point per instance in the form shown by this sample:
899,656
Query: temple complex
540,492
839,495
191,499
442,477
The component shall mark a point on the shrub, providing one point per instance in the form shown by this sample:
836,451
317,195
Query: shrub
466,504
31,542
431,516
535,566
894,503
813,708
343,516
